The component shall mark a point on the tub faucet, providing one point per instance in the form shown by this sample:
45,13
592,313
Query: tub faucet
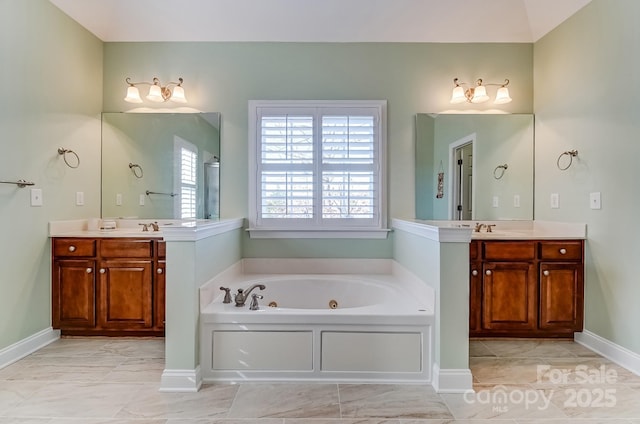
242,295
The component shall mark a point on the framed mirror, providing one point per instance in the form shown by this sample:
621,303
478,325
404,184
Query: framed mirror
474,167
161,165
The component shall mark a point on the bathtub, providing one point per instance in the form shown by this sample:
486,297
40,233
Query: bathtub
319,327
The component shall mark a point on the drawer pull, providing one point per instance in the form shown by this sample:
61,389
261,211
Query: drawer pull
563,251
72,248
545,273
474,272
159,271
488,272
102,270
89,270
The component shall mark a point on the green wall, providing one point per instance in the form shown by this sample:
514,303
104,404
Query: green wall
223,77
51,71
586,86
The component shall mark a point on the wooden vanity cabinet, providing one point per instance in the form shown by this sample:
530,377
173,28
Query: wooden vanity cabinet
108,286
526,288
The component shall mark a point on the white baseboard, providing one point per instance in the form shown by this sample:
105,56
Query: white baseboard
24,347
452,380
180,381
616,353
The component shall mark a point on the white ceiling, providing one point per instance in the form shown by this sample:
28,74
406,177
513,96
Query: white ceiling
454,21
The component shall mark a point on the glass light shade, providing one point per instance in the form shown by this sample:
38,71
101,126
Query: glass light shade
155,94
502,96
133,95
458,95
178,95
479,94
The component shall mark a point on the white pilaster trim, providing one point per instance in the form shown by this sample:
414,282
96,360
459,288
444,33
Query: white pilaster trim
181,381
610,350
27,346
456,380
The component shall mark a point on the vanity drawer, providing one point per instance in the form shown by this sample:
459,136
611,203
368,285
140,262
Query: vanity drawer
562,250
74,247
127,248
510,250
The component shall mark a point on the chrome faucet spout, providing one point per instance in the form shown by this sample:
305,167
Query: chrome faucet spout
242,295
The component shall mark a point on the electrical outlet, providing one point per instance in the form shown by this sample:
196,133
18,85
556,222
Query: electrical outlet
516,200
496,201
555,201
36,197
119,199
141,201
79,198
595,201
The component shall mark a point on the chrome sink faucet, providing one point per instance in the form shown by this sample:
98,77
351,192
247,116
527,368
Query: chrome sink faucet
242,295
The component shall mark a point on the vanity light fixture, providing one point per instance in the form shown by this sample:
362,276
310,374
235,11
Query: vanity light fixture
157,92
478,93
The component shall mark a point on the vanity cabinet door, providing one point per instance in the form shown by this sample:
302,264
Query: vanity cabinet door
125,294
561,296
509,296
74,294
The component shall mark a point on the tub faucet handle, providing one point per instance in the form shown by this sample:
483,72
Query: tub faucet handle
227,294
254,301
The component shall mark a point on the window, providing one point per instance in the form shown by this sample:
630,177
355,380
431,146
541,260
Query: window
186,156
317,166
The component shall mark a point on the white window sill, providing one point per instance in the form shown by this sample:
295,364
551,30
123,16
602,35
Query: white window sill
258,233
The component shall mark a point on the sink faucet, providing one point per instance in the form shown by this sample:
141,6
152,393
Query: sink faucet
478,227
155,226
489,227
242,295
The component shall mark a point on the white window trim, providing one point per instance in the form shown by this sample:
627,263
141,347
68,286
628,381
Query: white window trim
379,232
178,144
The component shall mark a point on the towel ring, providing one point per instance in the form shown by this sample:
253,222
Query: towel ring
136,169
571,154
62,151
498,172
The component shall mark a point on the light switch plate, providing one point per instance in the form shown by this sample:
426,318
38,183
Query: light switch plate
595,200
119,199
496,201
79,198
516,200
36,197
141,200
555,201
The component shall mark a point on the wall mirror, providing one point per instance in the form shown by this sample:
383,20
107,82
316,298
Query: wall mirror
161,165
474,167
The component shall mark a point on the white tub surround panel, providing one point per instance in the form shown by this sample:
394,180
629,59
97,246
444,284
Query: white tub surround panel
194,254
436,252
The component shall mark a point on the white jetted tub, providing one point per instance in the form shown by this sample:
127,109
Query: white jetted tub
319,327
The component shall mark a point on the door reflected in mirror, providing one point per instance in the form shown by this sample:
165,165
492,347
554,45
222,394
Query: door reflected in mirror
487,165
161,165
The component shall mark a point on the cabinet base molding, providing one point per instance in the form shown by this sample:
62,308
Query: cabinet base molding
113,333
610,350
27,346
452,380
181,381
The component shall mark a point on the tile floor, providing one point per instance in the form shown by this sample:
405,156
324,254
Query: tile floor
115,381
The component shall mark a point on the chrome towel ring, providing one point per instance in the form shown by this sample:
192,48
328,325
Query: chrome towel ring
571,154
136,169
498,172
62,151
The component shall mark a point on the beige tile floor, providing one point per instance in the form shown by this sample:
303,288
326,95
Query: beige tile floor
115,381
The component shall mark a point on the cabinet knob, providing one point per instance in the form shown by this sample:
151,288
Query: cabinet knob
89,270
474,272
563,251
72,248
545,273
488,272
102,270
159,271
